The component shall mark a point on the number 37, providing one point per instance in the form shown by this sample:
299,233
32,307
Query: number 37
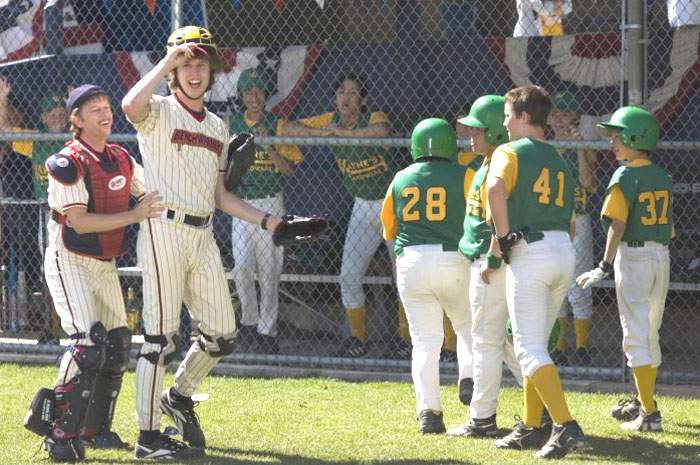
650,199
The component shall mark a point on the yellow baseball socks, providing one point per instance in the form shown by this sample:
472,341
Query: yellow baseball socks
450,344
548,386
582,327
532,404
356,321
403,324
645,379
563,329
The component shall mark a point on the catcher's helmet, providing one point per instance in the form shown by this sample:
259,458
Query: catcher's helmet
487,113
198,36
434,137
638,128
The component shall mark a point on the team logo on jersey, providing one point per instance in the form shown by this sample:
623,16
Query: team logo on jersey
197,139
116,183
62,162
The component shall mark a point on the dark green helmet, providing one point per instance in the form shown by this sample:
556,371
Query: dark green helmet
487,113
434,137
638,128
255,78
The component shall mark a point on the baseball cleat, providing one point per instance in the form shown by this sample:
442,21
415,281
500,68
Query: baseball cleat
166,448
644,423
181,410
352,347
564,439
106,440
559,357
582,357
65,450
627,409
522,437
466,390
431,422
476,427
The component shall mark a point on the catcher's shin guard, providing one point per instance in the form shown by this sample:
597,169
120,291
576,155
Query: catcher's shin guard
41,412
108,383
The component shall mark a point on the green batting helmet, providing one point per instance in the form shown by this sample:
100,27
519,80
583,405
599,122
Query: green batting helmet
638,128
434,137
553,336
487,113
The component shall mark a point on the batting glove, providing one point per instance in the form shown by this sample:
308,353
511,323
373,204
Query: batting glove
507,241
589,278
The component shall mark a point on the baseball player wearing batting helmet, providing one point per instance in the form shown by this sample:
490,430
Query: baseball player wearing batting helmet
638,217
253,249
423,212
90,182
366,172
487,295
564,121
184,149
531,199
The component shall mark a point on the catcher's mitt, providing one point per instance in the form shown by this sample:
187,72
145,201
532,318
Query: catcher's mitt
298,229
240,157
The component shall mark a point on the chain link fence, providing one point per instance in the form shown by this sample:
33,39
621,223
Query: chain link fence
407,59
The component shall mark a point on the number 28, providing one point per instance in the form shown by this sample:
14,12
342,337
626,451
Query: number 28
435,209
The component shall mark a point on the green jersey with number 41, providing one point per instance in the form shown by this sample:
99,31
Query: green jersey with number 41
648,190
429,200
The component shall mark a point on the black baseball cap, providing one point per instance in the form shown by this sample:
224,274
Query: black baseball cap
80,94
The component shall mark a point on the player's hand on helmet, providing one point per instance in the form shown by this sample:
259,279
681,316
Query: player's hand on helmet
148,207
599,273
179,54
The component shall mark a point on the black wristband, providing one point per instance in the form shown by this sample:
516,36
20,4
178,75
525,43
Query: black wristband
605,266
263,222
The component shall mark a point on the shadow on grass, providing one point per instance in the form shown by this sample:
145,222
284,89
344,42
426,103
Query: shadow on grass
224,455
644,450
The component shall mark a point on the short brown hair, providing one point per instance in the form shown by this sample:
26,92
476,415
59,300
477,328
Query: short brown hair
75,130
533,100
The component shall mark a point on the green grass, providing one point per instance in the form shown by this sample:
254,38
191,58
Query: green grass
323,421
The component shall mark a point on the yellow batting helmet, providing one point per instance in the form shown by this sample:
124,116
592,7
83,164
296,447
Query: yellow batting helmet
198,36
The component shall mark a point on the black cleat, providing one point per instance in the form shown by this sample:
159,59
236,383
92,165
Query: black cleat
582,357
166,448
106,440
400,350
431,422
448,356
476,427
181,410
627,409
644,423
352,347
564,439
546,423
559,357
466,390
65,450
522,437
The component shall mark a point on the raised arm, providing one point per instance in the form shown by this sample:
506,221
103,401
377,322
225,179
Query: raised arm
136,102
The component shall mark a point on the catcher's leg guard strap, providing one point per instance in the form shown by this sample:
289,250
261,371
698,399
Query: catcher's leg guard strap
161,349
219,347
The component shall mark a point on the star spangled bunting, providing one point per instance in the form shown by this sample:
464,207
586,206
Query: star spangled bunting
151,5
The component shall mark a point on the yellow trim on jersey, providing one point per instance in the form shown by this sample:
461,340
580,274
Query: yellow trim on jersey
615,206
378,117
289,152
23,147
468,177
389,223
464,157
504,165
318,121
639,162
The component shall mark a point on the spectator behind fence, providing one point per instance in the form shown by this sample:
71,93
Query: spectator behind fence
54,119
367,172
541,17
253,250
19,221
683,12
564,120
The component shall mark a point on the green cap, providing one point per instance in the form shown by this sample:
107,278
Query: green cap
487,113
52,101
564,101
255,78
434,137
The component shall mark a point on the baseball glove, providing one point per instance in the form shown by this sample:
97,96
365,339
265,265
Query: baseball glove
240,157
298,229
